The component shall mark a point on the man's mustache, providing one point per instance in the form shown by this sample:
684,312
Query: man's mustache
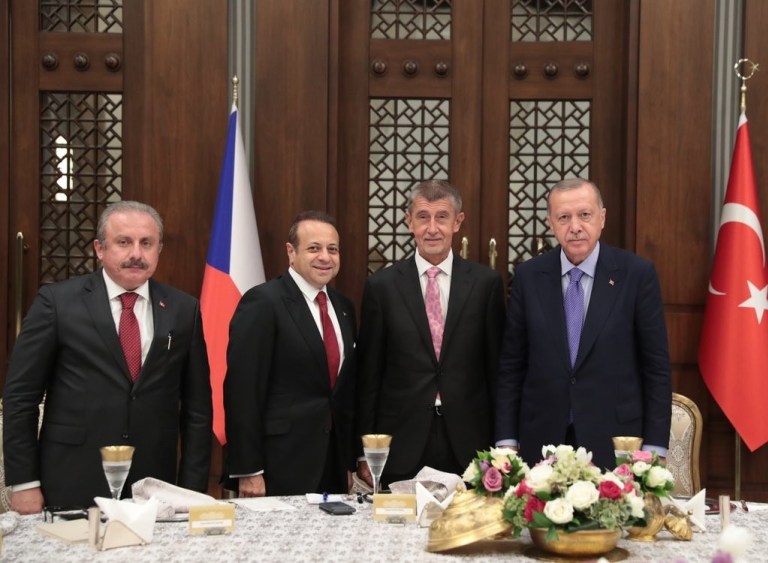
135,264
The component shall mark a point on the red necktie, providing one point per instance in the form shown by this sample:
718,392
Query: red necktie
329,339
130,337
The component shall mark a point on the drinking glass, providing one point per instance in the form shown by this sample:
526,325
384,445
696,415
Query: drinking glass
376,450
116,461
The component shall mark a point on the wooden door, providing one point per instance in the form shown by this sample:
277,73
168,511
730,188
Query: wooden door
501,97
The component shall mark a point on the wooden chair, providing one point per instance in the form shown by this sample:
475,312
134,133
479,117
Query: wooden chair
684,445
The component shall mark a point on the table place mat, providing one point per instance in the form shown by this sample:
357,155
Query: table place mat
262,504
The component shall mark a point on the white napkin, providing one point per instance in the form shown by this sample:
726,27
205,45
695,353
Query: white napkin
439,484
170,498
695,507
428,508
138,518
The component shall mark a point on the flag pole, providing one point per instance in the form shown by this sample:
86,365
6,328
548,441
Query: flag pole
743,110
235,82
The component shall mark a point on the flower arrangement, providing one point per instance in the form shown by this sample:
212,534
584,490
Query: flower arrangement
567,492
493,472
646,471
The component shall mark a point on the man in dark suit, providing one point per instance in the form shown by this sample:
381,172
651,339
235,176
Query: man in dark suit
427,377
614,377
288,398
97,394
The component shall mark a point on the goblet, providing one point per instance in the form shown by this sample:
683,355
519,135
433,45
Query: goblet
116,461
376,450
623,446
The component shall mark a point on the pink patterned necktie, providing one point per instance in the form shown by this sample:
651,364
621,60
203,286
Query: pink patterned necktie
331,343
130,336
434,309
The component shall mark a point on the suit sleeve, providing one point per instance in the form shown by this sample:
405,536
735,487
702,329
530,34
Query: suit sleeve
653,360
31,367
249,361
371,361
512,365
196,412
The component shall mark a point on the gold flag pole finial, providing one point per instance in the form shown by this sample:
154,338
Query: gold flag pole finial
753,68
235,82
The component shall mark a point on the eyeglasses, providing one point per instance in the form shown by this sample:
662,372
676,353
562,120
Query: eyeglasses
53,513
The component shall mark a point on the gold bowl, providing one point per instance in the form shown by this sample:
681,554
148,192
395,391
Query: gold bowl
117,453
626,444
584,543
469,518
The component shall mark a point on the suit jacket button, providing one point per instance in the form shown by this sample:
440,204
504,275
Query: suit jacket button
125,436
573,381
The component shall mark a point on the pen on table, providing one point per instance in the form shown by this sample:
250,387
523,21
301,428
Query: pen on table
170,338
325,497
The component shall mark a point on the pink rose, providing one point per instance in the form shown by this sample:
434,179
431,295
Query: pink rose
492,480
629,487
523,489
534,504
640,455
624,471
609,490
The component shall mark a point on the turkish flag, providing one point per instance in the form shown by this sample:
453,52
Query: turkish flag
733,352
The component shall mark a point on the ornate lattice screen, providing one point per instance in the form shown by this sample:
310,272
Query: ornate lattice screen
81,150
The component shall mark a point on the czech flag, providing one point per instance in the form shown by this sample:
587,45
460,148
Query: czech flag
234,263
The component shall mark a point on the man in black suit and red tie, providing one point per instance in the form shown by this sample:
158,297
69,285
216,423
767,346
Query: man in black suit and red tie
430,331
585,354
120,360
290,383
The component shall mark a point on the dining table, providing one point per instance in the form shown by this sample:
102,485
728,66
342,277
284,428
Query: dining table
297,531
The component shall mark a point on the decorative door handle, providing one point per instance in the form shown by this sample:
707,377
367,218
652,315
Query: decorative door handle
464,248
19,294
492,253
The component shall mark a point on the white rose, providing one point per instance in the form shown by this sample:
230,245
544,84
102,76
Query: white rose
582,494
583,456
610,476
560,511
563,451
503,452
547,450
470,473
640,467
638,506
539,479
658,476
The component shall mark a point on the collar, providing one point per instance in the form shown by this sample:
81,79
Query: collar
309,291
114,290
446,266
588,266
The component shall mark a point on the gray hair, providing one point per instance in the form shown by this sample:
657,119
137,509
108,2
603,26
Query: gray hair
123,207
433,190
573,184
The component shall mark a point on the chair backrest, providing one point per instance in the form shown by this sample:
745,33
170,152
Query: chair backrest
684,445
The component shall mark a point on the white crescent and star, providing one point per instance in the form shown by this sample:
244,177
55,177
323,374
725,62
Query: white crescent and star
738,213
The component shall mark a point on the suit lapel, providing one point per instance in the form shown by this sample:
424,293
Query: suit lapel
162,310
605,289
461,287
97,302
410,290
550,292
297,308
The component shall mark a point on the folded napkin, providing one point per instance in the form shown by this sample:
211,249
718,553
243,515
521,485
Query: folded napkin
428,508
129,523
170,498
438,483
695,507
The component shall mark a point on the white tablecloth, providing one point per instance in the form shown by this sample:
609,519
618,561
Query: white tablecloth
308,534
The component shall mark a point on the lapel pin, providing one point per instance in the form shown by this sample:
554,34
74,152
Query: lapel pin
162,303
611,282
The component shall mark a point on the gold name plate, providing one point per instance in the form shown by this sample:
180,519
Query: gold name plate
394,508
212,519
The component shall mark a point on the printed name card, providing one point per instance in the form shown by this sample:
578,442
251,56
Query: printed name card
394,508
212,518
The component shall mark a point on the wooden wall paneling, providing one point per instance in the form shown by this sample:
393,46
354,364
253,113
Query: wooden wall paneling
180,139
291,119
7,327
352,165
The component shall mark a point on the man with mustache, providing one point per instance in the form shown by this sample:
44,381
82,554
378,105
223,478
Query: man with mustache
120,359
585,354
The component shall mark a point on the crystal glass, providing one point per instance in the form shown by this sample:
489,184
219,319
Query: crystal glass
376,450
116,461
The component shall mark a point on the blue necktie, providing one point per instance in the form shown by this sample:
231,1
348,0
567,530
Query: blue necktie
574,311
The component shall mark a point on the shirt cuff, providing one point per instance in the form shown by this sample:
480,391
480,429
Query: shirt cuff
509,442
247,475
24,486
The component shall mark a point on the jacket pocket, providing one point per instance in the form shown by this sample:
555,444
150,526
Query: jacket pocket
63,434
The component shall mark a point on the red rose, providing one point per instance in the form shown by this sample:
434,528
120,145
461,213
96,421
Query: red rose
534,504
523,489
609,490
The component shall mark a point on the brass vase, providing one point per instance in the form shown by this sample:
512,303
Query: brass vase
584,543
654,520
